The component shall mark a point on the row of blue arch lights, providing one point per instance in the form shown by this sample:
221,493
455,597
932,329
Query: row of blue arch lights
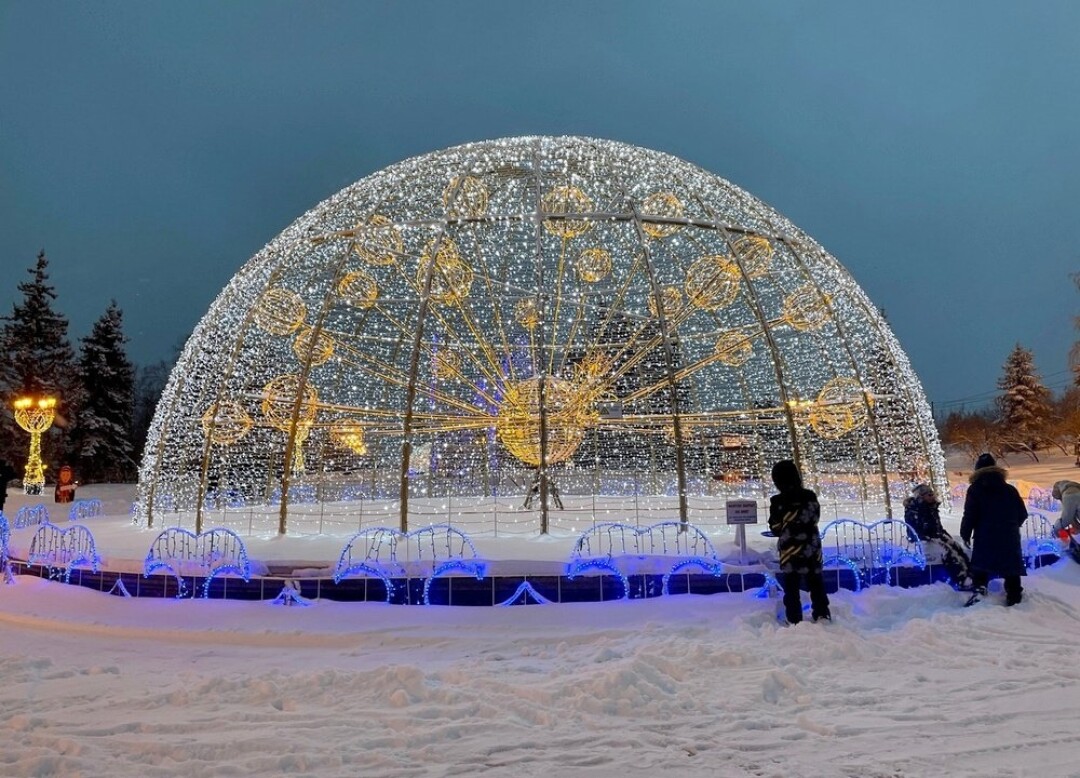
872,553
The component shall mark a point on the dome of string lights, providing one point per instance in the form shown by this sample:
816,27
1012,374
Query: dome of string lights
438,330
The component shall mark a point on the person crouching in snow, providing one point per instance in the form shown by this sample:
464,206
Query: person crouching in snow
921,512
1067,526
993,513
793,518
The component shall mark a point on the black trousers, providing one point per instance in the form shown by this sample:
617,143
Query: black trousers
1013,590
819,600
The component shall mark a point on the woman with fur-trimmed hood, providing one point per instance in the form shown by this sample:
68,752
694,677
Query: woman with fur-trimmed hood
922,515
993,513
1069,494
1067,527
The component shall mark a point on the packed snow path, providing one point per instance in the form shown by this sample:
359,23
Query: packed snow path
903,683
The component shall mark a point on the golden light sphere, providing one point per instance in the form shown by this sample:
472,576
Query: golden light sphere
567,200
663,204
806,308
226,423
279,311
349,435
527,312
358,289
518,422
451,278
733,349
754,254
593,265
840,407
471,200
379,241
447,364
670,298
320,347
279,400
712,282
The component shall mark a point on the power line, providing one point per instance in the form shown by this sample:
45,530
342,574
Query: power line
989,393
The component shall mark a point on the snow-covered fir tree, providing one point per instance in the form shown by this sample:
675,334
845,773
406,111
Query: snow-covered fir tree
103,437
36,358
1024,402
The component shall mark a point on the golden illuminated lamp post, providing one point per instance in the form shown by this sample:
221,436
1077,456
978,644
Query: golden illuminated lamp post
35,416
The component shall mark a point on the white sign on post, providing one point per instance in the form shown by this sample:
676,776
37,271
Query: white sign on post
740,513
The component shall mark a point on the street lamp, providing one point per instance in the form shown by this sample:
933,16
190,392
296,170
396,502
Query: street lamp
35,416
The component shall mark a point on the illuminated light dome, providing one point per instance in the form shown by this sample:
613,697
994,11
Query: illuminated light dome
434,332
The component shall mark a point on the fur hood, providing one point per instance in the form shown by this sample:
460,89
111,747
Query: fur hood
1062,488
985,471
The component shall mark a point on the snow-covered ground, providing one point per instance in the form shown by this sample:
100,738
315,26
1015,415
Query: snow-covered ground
902,683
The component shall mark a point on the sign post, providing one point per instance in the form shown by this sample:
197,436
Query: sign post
740,513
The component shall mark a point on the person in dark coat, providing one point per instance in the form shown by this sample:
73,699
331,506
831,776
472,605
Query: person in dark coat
793,518
993,514
922,515
6,474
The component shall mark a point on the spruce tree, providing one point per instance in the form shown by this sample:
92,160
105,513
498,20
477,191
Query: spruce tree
103,437
36,358
1024,402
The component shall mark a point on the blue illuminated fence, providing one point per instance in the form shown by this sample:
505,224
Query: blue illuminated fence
623,549
430,553
180,552
5,537
371,553
875,552
1038,540
872,552
85,509
848,544
896,545
62,550
1043,499
29,515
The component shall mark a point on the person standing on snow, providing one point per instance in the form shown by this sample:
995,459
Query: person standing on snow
1067,526
993,513
923,518
793,518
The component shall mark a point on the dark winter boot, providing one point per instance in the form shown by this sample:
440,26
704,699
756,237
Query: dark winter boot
977,593
1014,592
